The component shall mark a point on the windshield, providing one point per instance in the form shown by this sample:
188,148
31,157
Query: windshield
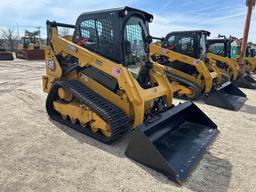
217,48
135,44
26,42
202,45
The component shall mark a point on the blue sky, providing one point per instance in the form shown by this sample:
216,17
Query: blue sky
218,16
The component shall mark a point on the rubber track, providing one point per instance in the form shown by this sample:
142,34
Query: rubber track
114,116
183,81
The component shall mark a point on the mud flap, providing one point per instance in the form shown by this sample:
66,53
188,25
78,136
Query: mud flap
246,81
174,142
227,96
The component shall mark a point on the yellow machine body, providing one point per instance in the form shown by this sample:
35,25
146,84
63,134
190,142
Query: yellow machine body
207,73
102,98
251,61
233,66
134,101
194,73
225,52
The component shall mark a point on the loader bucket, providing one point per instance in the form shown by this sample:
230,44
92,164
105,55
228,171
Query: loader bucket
174,142
6,56
227,96
35,54
246,81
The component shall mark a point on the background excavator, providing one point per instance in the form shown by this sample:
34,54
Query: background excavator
221,50
31,47
5,55
183,53
103,84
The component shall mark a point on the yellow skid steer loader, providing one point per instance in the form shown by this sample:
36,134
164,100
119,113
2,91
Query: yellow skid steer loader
250,58
30,47
192,74
101,82
220,51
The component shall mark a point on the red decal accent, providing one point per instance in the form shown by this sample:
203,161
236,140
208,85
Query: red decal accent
83,41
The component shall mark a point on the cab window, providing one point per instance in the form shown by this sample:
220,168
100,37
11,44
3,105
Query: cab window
97,35
185,45
217,48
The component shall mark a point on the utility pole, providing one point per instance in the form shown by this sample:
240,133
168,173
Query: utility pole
39,40
39,29
250,4
18,31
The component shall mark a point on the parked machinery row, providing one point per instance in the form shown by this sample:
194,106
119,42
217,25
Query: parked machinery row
108,78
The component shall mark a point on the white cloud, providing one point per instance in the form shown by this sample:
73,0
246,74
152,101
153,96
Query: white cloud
172,16
30,13
232,23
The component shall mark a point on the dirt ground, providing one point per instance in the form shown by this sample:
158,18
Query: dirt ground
37,154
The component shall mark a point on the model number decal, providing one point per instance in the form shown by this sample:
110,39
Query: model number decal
51,64
72,48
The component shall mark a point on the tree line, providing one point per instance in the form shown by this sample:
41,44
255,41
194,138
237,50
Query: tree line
9,37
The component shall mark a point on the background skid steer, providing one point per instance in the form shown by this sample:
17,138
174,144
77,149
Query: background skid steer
103,84
226,52
222,51
31,47
184,56
250,59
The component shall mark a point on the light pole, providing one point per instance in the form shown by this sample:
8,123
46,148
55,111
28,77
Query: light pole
250,4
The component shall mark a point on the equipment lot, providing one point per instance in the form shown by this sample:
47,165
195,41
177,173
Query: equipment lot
38,154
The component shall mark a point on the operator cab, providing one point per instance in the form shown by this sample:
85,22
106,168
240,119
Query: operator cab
190,43
220,47
27,41
100,31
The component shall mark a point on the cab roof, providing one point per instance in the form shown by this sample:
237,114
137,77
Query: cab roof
193,31
120,10
220,40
